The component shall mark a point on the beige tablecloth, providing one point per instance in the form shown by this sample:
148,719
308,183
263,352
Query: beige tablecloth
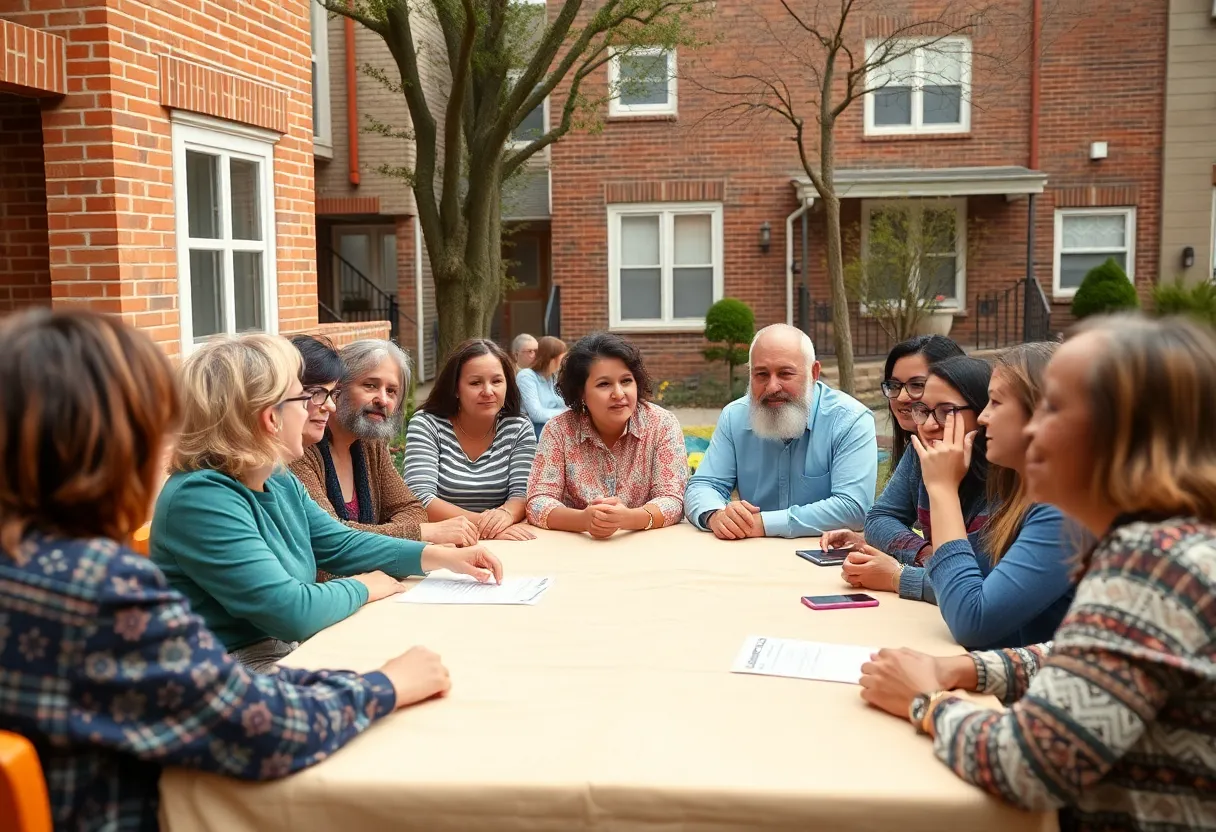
610,705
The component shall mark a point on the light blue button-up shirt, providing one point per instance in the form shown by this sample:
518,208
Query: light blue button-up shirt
822,480
539,397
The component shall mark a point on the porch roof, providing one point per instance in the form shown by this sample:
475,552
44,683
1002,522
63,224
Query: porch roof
894,183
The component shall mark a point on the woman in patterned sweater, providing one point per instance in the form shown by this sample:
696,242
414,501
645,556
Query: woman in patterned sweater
103,667
1113,721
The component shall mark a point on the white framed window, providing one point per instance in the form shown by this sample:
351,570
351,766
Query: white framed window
921,235
1212,275
1086,237
642,82
223,191
535,123
322,118
664,264
926,90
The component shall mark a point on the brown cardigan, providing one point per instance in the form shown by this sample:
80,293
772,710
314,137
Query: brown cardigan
399,512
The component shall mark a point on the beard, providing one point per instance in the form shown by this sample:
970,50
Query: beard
784,422
359,422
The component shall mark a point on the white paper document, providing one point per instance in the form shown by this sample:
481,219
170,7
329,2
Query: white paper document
802,659
444,587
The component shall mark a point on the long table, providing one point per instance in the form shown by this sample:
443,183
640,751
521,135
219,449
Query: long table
610,705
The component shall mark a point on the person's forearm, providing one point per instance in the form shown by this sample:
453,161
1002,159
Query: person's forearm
565,519
638,519
947,512
960,673
439,509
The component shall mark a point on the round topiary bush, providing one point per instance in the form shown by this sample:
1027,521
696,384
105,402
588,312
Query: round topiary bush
1104,289
730,321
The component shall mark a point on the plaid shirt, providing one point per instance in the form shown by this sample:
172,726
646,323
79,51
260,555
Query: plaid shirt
111,676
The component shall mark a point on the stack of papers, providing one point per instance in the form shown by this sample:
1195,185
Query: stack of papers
802,659
444,587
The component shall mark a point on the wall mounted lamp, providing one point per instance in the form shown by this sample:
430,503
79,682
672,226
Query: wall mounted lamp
1188,257
766,236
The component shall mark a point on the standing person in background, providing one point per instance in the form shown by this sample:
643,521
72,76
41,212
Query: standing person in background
538,385
107,671
613,461
349,469
469,449
523,351
1112,721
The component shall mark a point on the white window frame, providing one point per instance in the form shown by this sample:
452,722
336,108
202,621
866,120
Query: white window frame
617,109
1129,214
917,127
228,140
513,76
667,212
1212,237
959,205
322,128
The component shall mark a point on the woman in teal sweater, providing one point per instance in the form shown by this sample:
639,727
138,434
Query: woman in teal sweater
239,536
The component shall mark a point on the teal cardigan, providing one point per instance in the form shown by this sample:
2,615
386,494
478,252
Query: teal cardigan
248,560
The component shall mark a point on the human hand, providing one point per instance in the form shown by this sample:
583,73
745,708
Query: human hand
417,674
455,531
379,585
738,520
519,531
944,463
868,568
472,560
606,516
892,678
842,539
493,522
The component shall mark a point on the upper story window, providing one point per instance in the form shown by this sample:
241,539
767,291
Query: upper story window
534,125
322,123
1087,237
925,91
642,82
223,176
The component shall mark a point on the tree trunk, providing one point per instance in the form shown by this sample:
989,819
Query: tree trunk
841,327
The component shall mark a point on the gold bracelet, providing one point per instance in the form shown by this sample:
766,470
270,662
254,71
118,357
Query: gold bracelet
650,514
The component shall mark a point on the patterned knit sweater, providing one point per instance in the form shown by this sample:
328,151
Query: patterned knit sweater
1114,722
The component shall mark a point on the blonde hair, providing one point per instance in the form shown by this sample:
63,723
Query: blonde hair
226,385
1022,368
1152,398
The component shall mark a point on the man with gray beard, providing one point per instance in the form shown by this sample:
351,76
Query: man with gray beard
802,456
350,472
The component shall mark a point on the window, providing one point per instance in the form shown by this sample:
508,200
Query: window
925,90
1086,237
535,123
664,264
322,125
642,82
223,176
917,242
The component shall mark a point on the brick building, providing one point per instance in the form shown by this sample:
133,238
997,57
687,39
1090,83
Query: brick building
157,163
667,208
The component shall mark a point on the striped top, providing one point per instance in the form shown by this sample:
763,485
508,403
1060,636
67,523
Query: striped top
436,465
1112,722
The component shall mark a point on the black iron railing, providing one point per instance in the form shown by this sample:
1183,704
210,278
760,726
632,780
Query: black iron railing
360,299
553,312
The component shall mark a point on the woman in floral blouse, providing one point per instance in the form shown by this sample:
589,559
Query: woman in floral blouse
1112,722
613,460
106,670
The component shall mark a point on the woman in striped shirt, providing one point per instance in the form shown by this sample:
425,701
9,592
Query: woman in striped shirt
469,449
1112,721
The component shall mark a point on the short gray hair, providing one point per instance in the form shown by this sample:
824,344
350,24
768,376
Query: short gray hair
361,357
518,344
805,342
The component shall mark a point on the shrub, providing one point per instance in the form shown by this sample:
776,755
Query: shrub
1104,289
1198,301
730,324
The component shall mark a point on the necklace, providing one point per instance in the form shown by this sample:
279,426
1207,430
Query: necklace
471,436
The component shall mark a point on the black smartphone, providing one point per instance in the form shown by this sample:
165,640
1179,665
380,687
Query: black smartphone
826,557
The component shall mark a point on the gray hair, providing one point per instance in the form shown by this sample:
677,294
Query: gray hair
361,357
807,346
518,344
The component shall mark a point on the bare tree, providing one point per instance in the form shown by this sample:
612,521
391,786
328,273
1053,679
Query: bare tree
496,61
816,59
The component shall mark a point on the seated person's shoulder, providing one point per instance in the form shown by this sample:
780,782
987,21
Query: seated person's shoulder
1187,541
735,413
185,486
660,415
90,568
841,404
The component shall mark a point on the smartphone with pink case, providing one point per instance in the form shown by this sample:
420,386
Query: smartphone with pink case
839,602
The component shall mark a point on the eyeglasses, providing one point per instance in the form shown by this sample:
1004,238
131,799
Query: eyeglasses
319,395
921,412
892,388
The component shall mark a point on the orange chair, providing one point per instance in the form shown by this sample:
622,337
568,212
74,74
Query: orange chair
139,539
24,804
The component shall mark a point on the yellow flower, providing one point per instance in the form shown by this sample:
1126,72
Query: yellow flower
694,459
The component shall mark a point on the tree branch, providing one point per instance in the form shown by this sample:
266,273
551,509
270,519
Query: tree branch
453,122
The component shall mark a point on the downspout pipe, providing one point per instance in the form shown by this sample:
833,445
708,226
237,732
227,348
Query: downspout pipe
805,206
352,102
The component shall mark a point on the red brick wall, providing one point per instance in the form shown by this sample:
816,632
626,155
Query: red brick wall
1097,84
24,263
108,154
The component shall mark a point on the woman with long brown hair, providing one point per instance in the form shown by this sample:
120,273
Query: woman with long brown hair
106,669
1112,721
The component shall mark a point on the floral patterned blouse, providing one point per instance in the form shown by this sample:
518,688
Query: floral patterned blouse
648,464
111,676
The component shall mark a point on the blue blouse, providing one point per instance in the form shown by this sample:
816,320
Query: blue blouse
540,397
